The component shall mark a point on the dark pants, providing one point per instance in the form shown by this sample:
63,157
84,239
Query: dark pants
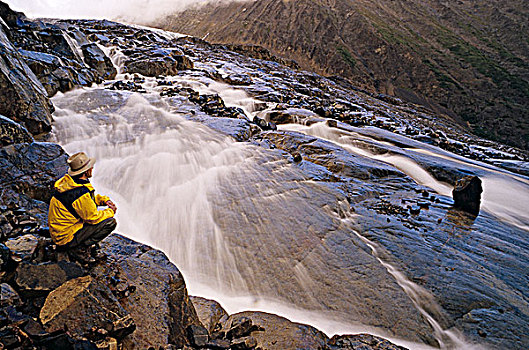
91,234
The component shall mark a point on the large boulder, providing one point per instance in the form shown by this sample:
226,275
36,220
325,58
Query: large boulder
154,61
210,312
467,194
22,98
275,332
96,58
82,306
158,301
159,66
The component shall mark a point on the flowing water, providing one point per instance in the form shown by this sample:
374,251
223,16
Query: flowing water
245,226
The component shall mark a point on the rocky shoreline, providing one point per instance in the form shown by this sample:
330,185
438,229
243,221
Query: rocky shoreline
48,302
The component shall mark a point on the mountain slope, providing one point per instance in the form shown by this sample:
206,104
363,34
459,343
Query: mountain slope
466,59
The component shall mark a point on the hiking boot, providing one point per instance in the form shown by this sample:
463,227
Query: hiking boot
81,255
96,253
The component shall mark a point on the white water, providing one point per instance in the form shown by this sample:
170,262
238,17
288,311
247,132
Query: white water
505,195
162,171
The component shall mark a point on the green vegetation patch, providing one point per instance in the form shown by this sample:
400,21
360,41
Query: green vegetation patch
483,64
444,80
347,56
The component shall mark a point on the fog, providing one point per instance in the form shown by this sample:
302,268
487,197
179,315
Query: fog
137,11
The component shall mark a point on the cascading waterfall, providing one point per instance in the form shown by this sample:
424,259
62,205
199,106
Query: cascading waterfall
216,206
163,171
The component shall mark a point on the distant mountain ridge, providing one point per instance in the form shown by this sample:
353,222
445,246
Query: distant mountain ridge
466,59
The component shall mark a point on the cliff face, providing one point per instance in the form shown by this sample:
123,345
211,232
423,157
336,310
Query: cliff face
466,59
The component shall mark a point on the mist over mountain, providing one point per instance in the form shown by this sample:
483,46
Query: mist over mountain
468,60
137,11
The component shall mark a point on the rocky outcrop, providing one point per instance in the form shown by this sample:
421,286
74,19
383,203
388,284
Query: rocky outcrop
161,289
155,61
23,97
28,172
61,57
12,132
442,58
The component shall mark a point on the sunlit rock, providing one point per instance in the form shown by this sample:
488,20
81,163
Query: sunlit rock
209,312
83,304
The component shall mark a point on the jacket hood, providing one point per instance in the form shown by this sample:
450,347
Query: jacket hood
67,183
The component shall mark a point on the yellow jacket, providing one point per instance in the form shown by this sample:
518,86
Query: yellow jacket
72,205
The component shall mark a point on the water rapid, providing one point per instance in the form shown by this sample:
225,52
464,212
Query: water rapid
244,225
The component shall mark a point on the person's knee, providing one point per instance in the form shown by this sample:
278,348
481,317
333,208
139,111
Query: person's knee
111,222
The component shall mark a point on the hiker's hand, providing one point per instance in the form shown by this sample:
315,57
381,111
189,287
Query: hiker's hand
111,205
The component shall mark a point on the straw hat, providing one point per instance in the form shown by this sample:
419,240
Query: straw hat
79,163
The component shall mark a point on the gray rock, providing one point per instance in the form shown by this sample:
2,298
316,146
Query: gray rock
361,341
23,247
209,312
5,256
40,279
29,171
279,333
96,59
162,289
159,66
197,335
23,98
83,304
12,132
9,296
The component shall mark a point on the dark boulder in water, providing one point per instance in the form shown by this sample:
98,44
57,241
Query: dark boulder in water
467,194
96,59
